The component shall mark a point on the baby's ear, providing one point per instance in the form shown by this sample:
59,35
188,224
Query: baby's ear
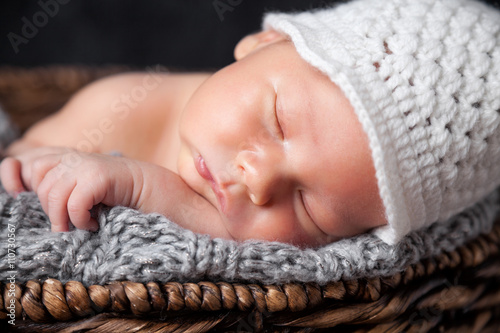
255,41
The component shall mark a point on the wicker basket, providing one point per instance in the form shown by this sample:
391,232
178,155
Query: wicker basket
457,291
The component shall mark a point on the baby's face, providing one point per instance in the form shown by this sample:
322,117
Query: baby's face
275,146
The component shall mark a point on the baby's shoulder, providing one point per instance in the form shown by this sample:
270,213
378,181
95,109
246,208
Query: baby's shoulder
138,88
135,97
140,107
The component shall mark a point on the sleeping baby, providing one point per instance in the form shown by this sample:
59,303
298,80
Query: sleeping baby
372,116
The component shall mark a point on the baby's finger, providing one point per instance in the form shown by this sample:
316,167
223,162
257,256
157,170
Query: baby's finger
35,173
10,176
45,186
56,196
80,203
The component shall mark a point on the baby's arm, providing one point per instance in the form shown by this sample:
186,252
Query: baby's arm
69,183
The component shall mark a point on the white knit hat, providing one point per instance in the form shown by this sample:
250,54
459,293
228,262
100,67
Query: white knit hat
424,79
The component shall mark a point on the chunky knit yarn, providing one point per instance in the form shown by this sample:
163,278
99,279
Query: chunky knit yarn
148,247
424,79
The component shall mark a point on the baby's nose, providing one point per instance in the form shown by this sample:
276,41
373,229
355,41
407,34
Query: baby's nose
261,174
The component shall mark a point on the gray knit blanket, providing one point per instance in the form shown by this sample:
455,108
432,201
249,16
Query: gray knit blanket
148,247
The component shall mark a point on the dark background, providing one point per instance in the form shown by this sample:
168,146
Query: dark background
187,35
184,35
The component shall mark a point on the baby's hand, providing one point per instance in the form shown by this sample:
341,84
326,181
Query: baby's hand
69,183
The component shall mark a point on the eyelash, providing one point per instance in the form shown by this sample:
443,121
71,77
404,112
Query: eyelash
304,205
279,128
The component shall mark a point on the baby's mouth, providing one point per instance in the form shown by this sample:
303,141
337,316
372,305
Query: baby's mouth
204,172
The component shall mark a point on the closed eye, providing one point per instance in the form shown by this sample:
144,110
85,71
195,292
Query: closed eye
304,204
278,125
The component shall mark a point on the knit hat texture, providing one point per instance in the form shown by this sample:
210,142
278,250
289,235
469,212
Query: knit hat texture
423,77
